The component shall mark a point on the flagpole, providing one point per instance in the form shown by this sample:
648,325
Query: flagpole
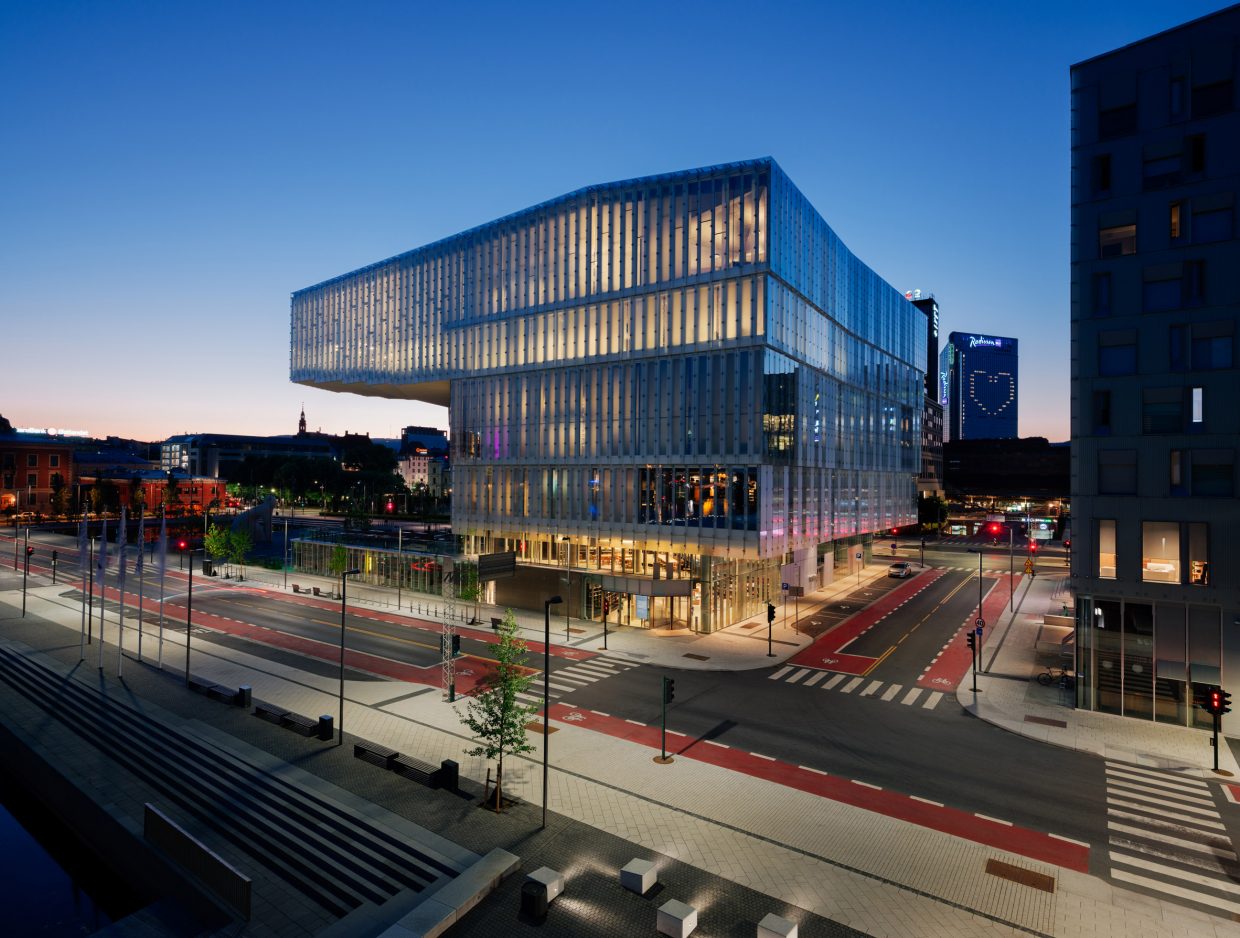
82,564
103,586
141,574
163,566
121,543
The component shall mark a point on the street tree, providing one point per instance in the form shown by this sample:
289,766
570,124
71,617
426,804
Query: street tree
217,542
240,543
338,562
495,715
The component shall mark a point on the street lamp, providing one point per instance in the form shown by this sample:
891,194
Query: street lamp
340,718
189,603
547,604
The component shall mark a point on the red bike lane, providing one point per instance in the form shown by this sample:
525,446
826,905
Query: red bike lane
951,664
993,832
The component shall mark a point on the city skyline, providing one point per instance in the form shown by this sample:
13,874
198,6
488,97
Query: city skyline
172,178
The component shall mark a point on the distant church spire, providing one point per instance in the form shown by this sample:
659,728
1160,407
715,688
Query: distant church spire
301,424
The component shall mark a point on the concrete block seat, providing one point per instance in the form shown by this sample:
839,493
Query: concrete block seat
638,876
677,919
775,926
551,880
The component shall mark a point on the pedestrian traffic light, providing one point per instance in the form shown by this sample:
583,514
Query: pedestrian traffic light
443,644
770,612
669,690
29,551
1216,701
994,527
1224,700
182,544
55,556
606,608
972,640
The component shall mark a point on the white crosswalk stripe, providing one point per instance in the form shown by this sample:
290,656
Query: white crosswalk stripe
1166,837
574,677
848,683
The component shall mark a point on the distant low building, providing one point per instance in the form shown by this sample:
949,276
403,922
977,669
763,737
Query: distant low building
213,454
34,468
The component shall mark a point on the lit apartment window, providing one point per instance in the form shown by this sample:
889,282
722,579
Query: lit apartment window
1197,405
1198,554
1106,548
1117,240
1160,552
1174,220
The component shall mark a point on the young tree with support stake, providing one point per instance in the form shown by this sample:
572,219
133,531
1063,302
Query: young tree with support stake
495,716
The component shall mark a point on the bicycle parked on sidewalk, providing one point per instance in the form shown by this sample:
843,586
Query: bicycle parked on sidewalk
1064,676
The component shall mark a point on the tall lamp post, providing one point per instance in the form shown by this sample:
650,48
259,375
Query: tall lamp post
547,604
344,578
189,552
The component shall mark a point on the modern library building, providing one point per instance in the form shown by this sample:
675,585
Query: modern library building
670,396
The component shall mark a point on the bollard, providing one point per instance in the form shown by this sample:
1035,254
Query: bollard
245,694
327,728
449,774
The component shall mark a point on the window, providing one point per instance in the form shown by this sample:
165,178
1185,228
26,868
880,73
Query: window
1198,554
1193,292
1106,548
1175,230
1197,406
1213,473
32,460
1160,552
1102,294
1177,347
1120,121
1117,240
55,460
1102,173
1102,413
1117,472
32,479
1176,474
1161,168
1195,153
1117,353
1211,99
1211,224
1211,352
1162,288
1178,98
1162,410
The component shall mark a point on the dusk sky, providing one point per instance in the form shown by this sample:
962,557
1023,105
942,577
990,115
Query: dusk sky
171,172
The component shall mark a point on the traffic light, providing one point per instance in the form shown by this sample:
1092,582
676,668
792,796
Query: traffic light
669,690
1224,701
1216,701
995,527
443,644
182,544
770,612
1033,547
971,639
606,608
29,551
55,556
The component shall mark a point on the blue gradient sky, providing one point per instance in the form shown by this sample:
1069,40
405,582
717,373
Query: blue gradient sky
170,172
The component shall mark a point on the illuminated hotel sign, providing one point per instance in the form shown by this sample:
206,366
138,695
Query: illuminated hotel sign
984,341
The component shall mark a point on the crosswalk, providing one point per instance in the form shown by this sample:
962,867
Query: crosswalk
862,687
1166,835
573,678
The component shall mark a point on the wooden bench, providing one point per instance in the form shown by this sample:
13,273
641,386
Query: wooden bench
375,754
270,712
418,770
314,590
303,726
296,588
222,694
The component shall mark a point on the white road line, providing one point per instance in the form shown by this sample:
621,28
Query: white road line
1162,804
601,713
1169,796
912,695
870,688
1164,812
892,691
1173,841
1160,776
814,678
851,685
808,768
635,722
574,679
1211,864
562,688
1174,789
1191,895
1211,881
937,804
780,673
713,743
1173,827
586,667
932,701
797,676
835,680
760,756
986,817
866,784
1079,843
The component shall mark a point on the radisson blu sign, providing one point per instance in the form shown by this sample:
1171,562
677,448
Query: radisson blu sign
985,341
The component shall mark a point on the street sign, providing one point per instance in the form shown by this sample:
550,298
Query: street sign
784,587
1029,566
978,630
980,623
858,555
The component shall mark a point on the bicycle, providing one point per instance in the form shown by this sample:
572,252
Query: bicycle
1065,677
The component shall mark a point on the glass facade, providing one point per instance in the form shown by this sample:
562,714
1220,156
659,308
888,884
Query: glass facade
689,364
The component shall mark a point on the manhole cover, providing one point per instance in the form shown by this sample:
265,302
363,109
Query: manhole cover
689,654
751,625
537,727
1018,874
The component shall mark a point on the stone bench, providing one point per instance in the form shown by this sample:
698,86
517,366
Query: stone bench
375,754
638,876
270,712
552,881
676,918
775,926
305,726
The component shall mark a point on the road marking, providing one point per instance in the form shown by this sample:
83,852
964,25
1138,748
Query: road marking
1163,787
1172,841
1159,776
1133,806
1205,837
892,691
986,817
713,743
1134,796
635,722
1190,894
851,685
871,688
601,713
937,804
835,680
865,784
1079,843
797,676
1162,793
780,673
815,678
913,694
760,756
809,768
880,660
1174,871
932,701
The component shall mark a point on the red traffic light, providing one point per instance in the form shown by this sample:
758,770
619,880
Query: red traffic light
391,506
994,528
29,551
182,544
1033,547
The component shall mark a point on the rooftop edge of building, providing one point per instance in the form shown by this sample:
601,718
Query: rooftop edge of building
1231,10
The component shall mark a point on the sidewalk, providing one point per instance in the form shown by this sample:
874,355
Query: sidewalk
1009,697
873,872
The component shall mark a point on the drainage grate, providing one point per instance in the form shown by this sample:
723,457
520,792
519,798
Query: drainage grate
576,631
689,654
751,625
1018,874
537,727
1046,721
